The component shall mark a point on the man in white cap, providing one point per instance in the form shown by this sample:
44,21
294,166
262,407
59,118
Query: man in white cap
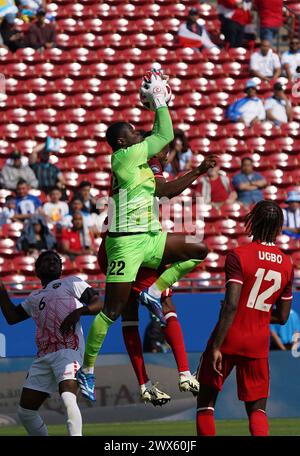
249,109
291,215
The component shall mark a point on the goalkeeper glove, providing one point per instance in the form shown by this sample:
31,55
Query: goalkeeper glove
153,88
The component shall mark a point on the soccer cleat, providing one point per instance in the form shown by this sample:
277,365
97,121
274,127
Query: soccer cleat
155,396
188,383
86,384
153,305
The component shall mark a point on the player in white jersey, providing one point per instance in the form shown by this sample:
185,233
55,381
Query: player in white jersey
60,342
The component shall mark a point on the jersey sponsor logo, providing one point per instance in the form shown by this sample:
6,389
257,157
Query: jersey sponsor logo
155,169
267,256
56,285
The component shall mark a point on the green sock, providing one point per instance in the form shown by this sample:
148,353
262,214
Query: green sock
95,339
175,272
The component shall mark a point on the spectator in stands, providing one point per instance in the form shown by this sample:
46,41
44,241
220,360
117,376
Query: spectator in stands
270,14
249,109
16,168
26,204
55,209
291,215
84,193
235,15
8,212
284,336
29,8
99,217
278,107
216,188
41,35
193,32
180,154
36,236
48,175
290,60
12,38
249,184
76,205
77,240
265,63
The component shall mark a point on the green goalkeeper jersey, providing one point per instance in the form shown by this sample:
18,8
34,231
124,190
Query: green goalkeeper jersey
133,184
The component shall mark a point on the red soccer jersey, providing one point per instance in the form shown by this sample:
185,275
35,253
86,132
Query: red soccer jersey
266,274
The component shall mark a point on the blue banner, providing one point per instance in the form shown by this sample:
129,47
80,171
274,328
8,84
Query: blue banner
197,312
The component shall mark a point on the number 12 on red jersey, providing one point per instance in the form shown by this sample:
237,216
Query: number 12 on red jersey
256,300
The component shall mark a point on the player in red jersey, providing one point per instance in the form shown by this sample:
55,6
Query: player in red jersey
258,276
145,278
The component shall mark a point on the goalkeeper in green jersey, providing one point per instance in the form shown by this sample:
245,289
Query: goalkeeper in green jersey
135,236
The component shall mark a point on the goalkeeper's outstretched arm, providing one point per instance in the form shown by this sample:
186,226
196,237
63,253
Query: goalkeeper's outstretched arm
162,133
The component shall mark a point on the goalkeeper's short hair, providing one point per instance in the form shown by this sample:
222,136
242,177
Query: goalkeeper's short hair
114,132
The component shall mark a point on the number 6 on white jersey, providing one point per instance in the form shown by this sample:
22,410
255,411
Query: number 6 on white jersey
256,301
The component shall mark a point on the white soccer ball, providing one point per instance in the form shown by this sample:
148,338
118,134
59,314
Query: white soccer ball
147,103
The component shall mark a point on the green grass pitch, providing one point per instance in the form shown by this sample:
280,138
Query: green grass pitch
283,427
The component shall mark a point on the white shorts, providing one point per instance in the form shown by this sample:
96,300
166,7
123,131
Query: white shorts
48,371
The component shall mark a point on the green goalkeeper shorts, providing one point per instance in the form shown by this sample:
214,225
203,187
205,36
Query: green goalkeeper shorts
126,254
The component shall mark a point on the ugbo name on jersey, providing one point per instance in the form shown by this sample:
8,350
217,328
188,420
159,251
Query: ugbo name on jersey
267,256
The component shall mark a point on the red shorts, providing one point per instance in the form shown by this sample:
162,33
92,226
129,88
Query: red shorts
252,375
144,279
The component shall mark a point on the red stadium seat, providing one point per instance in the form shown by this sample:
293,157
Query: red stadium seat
68,266
56,100
48,116
239,54
7,56
220,243
97,131
68,131
68,25
7,248
235,211
100,179
68,86
11,230
232,69
284,161
29,55
38,131
287,244
188,55
229,162
65,41
26,146
87,264
275,194
39,86
5,267
10,131
24,265
214,262
79,163
27,100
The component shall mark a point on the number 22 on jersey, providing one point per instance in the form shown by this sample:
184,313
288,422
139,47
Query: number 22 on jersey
258,301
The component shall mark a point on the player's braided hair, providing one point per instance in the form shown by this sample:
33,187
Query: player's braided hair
45,253
264,222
